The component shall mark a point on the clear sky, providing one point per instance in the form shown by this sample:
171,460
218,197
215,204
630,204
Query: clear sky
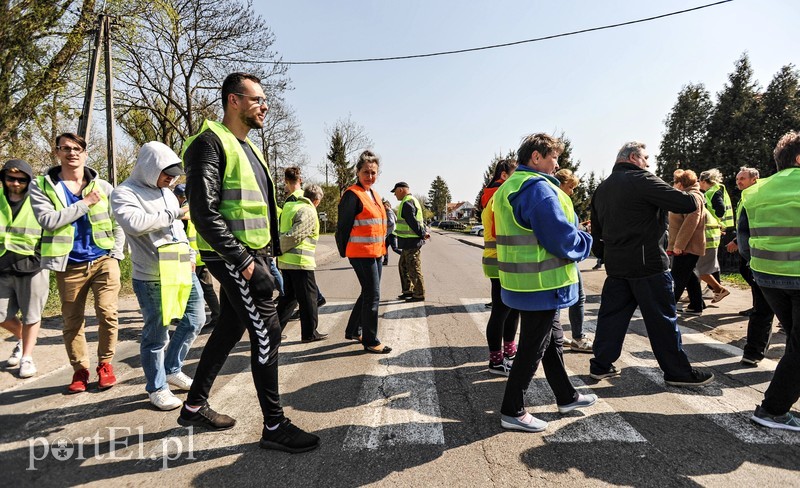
450,115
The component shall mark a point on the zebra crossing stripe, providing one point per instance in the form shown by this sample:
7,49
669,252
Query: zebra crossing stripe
598,423
398,403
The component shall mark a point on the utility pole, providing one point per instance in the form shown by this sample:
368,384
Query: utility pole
102,39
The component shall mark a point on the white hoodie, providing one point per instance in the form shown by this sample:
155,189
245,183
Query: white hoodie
150,216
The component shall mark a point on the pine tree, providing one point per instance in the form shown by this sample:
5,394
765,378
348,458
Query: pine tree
781,113
685,131
439,197
343,172
734,135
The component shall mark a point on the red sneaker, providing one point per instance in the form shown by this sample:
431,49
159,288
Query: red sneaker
106,378
80,381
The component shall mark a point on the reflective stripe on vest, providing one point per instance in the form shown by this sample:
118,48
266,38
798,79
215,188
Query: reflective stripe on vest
773,213
727,218
175,277
21,234
60,241
368,235
523,264
301,256
191,234
241,202
402,229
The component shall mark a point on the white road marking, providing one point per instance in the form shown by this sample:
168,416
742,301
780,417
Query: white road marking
398,403
599,422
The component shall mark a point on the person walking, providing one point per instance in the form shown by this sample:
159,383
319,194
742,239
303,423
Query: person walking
24,285
629,218
299,229
360,235
719,223
538,244
164,281
83,244
501,329
391,224
233,205
411,235
687,242
580,342
769,238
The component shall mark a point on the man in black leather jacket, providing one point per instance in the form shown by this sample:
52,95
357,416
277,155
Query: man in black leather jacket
243,270
629,223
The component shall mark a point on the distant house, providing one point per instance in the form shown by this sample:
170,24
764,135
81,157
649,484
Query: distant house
460,211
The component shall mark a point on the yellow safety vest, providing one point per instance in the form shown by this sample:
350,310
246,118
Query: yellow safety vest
773,213
489,260
302,255
241,204
60,241
524,265
402,229
175,277
21,234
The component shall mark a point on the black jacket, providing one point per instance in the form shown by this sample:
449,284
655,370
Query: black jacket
204,161
629,221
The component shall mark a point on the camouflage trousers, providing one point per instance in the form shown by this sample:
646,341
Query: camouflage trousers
410,267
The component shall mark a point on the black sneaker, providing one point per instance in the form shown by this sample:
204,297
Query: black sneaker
205,417
288,438
696,378
612,371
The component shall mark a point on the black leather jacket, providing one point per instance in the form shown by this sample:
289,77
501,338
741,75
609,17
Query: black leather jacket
204,162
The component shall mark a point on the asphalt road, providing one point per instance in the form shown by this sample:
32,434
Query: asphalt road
424,415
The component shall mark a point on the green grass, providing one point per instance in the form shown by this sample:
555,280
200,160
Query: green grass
735,279
53,306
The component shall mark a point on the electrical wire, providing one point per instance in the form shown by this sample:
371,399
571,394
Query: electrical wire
497,46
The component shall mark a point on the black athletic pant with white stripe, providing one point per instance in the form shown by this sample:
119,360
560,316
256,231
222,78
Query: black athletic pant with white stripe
244,305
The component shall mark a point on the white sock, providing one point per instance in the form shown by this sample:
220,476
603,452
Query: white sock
192,409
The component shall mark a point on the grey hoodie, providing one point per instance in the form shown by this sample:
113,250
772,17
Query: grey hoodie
150,216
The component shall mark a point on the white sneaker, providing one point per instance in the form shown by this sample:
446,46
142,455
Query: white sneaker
165,400
720,295
26,368
581,345
16,355
180,380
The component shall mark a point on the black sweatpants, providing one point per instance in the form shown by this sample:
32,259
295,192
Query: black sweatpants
244,305
300,287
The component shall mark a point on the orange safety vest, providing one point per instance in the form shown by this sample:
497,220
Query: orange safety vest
369,228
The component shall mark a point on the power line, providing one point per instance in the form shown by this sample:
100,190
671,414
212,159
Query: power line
496,46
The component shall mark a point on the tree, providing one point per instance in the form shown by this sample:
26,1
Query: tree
173,57
354,139
781,113
427,214
489,174
734,137
41,41
343,172
329,206
438,198
685,131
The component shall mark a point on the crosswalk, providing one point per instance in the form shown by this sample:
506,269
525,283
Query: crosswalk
398,403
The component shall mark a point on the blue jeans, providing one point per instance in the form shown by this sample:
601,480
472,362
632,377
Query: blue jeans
277,275
655,298
576,311
364,317
156,362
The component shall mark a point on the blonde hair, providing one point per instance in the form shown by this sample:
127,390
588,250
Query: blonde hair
567,178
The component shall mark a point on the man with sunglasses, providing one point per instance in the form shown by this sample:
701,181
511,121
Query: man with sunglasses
83,244
24,286
233,206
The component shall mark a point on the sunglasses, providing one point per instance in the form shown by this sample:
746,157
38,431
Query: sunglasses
12,179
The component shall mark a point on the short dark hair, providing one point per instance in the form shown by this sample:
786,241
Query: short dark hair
544,144
73,137
507,165
787,150
367,157
291,174
234,83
